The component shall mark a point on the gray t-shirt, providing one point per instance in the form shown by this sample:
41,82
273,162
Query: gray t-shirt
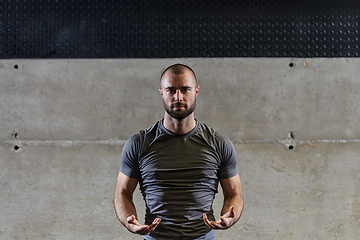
178,176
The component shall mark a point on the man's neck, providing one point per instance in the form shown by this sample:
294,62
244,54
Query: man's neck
181,126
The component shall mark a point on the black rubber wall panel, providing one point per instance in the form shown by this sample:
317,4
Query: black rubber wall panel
178,28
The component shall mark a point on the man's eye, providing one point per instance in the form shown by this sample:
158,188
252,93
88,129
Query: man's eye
186,89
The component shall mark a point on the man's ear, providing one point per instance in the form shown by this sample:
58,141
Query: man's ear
160,90
197,90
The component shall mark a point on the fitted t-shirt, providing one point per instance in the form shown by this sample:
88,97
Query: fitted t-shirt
178,176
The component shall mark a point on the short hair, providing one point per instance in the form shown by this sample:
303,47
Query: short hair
177,69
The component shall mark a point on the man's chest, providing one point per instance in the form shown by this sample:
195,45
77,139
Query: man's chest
179,155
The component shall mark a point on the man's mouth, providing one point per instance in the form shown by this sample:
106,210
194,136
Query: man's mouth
178,106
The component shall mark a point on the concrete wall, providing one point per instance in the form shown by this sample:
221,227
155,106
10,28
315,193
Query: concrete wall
294,124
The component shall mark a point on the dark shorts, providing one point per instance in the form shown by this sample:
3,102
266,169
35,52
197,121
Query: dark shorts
209,236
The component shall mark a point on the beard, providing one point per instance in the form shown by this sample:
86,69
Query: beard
177,114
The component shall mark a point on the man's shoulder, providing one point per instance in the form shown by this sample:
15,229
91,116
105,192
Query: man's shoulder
150,132
209,132
153,129
203,127
143,137
219,141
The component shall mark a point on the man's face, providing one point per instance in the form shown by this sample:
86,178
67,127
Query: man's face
179,93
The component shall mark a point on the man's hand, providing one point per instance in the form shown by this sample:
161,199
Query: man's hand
225,221
135,227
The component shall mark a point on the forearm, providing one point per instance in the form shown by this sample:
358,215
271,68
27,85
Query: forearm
237,202
232,197
230,213
126,213
124,207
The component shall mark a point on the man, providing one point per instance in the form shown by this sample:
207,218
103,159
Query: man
178,163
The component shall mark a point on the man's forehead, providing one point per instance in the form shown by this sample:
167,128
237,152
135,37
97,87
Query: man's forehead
186,79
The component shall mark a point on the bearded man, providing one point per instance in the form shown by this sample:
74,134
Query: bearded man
178,163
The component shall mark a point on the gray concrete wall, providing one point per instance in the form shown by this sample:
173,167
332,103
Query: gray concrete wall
295,129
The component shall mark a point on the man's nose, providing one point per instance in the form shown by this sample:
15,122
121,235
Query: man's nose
178,95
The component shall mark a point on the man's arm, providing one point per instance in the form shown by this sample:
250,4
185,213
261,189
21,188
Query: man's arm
125,208
233,204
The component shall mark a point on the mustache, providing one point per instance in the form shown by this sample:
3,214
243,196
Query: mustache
178,105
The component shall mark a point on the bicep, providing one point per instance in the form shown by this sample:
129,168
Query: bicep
126,185
231,186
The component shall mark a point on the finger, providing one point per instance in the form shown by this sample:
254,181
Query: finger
219,223
227,221
232,211
224,222
136,227
216,225
157,221
206,220
212,224
147,229
154,224
131,218
142,230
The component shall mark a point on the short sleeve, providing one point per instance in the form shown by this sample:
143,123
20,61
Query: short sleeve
130,157
228,165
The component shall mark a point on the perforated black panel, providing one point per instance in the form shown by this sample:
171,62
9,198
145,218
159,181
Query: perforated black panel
183,28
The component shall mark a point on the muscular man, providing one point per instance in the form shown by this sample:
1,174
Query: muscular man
178,163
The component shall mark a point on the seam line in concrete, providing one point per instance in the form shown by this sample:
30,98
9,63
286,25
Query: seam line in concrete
68,143
296,141
63,143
